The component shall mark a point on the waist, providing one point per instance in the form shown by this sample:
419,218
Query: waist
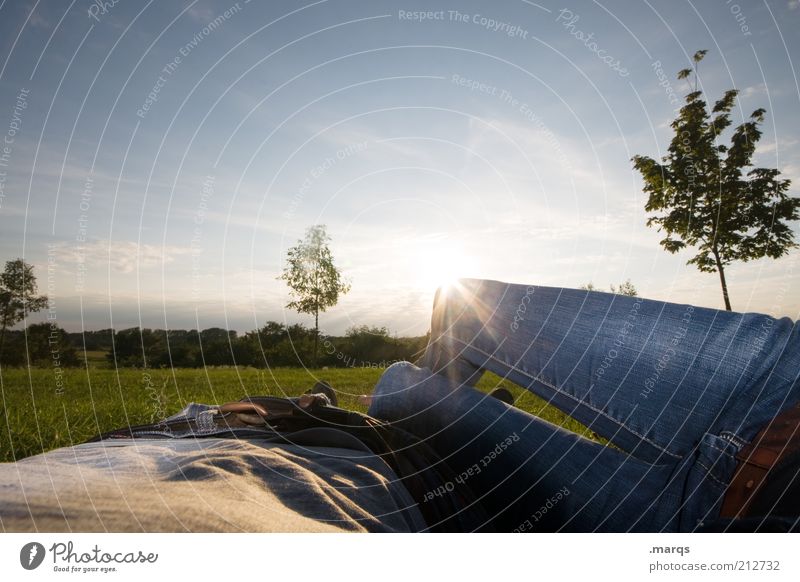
760,463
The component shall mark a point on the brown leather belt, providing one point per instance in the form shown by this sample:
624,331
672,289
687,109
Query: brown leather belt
779,438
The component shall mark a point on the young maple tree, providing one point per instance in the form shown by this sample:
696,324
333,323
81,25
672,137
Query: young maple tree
704,194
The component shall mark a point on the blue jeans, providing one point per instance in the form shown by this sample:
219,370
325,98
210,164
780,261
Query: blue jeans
675,389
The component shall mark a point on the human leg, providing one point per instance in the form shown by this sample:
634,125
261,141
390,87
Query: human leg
650,376
678,388
528,474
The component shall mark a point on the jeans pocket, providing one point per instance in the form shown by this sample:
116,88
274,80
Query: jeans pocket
708,480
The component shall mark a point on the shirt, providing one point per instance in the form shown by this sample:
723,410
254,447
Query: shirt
205,485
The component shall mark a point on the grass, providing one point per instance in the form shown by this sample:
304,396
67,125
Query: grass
35,418
94,358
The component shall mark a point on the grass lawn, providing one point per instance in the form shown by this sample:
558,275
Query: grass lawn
35,417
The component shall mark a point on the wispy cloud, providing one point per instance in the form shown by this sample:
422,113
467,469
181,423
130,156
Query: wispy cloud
202,14
38,18
119,256
752,90
780,145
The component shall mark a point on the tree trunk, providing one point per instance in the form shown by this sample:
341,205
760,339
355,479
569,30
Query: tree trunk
316,335
3,326
722,281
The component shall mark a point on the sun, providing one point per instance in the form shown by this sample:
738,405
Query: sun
441,266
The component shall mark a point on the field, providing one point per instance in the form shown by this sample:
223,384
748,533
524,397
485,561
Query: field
40,411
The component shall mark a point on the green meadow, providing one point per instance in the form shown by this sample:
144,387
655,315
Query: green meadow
40,411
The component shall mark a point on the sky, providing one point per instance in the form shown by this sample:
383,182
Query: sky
160,158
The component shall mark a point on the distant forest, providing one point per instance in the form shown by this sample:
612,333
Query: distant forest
273,345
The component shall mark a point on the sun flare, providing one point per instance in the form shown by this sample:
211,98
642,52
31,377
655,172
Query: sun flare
442,266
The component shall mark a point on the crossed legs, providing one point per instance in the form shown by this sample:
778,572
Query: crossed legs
675,389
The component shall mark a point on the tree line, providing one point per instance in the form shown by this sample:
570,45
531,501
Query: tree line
273,345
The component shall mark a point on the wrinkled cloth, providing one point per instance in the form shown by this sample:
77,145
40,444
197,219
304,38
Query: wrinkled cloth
204,485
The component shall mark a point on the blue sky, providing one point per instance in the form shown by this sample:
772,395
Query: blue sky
165,155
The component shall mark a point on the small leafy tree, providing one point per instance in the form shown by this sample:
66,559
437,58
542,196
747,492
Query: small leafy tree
314,281
17,296
626,288
701,198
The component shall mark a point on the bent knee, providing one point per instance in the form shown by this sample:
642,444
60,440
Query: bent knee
399,377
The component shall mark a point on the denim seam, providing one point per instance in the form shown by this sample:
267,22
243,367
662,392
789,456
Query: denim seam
732,438
723,451
568,395
707,468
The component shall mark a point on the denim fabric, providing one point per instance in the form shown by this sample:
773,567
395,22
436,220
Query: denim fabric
676,390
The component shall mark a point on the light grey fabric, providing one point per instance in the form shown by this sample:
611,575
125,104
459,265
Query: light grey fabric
204,485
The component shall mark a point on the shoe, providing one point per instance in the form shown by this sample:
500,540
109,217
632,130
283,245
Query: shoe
503,395
326,389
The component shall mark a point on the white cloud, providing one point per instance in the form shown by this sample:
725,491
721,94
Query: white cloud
119,256
759,89
202,14
792,172
780,146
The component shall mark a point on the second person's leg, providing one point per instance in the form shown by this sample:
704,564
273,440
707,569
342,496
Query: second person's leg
528,474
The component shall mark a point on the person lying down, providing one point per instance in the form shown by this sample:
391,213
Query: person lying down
698,408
